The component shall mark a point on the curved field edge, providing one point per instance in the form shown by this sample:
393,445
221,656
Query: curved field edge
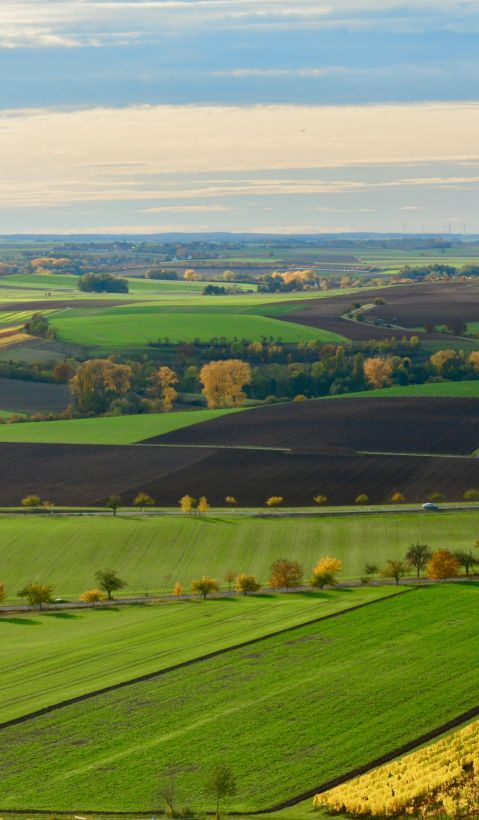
357,691
53,657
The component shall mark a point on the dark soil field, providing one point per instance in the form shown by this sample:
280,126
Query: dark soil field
411,305
398,425
31,397
86,475
435,303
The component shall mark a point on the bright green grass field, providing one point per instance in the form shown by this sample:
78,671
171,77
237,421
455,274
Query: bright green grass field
114,430
119,330
287,714
152,553
467,389
47,658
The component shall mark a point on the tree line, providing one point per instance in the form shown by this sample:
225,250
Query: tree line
285,573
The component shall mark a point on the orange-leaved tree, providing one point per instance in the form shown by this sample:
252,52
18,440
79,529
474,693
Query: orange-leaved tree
443,564
223,382
285,574
178,589
378,371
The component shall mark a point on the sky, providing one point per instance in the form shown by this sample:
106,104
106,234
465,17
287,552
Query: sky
298,116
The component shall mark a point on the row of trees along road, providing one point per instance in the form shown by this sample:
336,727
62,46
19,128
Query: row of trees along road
285,574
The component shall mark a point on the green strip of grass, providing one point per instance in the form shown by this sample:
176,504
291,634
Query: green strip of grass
466,389
51,657
152,553
109,430
286,714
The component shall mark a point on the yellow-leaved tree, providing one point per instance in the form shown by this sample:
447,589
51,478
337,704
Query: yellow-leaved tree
223,382
162,388
97,382
93,596
178,589
325,571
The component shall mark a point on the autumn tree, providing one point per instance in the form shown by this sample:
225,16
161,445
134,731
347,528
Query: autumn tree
274,501
191,275
167,791
466,560
109,581
31,501
325,571
97,383
378,372
473,360
203,505
178,590
247,583
286,574
230,499
230,578
223,382
162,388
445,361
3,592
204,586
48,506
437,498
394,569
320,499
417,556
371,569
472,496
398,498
443,564
362,499
187,504
221,785
113,502
93,596
36,594
143,500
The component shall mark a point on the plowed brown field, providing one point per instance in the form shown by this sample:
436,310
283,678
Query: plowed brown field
397,425
411,305
86,475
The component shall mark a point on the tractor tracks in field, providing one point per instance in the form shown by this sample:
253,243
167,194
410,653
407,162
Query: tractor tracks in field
192,662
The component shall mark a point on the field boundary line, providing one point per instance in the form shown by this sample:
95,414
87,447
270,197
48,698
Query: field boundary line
454,723
192,661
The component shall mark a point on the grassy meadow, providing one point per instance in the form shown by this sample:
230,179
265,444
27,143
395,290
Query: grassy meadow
53,656
358,696
107,430
152,553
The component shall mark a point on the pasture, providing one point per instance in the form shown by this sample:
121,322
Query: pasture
51,657
152,553
251,709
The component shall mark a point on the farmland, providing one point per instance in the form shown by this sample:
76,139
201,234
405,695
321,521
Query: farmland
152,553
404,425
411,306
113,430
86,475
29,396
234,697
52,657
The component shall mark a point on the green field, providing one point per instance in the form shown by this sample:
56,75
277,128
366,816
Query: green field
108,430
47,658
127,329
370,681
151,553
466,389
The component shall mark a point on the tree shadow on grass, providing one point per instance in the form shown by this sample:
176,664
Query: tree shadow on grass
63,616
20,621
209,519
